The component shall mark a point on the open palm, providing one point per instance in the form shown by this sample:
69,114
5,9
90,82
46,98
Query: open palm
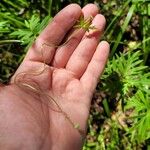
70,77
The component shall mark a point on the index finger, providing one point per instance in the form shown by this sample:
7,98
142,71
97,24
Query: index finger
53,34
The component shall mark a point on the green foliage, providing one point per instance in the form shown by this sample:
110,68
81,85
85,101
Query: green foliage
32,29
123,28
3,27
126,74
120,20
111,137
141,115
19,26
128,70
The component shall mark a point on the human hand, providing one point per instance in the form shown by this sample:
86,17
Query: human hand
70,76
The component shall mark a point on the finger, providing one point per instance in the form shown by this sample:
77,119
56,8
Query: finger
63,53
81,57
53,34
95,68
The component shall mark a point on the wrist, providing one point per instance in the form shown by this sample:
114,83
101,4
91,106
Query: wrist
16,131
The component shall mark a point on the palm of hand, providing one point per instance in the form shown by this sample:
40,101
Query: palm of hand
69,93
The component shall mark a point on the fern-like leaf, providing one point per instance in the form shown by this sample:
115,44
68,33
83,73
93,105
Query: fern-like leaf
128,68
33,28
140,103
3,27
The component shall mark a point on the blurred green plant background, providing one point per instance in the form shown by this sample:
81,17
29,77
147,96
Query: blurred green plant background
120,112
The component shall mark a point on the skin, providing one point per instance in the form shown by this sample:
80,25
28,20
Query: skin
70,77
